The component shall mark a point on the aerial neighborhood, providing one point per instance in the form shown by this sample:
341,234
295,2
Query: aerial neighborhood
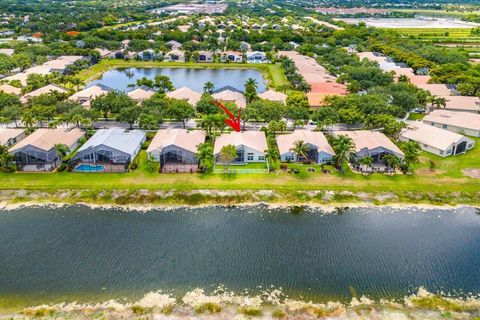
303,103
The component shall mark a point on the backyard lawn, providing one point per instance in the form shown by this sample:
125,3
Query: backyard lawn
445,176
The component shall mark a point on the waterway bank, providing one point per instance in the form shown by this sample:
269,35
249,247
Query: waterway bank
270,305
147,199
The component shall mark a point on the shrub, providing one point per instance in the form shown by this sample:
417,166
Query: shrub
283,166
208,306
279,314
251,311
62,167
167,310
139,310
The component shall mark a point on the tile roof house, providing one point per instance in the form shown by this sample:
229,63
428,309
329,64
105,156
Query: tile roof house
250,145
175,55
230,94
257,57
174,45
232,56
320,150
272,95
459,122
185,93
371,143
6,88
37,151
9,137
436,89
49,88
462,103
176,149
438,141
85,96
114,148
141,93
205,56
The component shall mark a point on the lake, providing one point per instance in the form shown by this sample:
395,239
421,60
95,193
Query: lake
78,253
194,78
411,22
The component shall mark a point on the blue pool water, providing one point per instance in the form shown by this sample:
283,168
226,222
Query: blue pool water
89,168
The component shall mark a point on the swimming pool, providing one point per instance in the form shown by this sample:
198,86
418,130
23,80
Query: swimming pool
89,168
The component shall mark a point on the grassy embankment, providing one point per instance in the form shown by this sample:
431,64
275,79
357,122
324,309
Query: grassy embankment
444,184
272,72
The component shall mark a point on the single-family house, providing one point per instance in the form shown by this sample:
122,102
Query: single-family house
104,53
257,57
438,141
250,145
176,149
175,56
372,144
272,95
436,89
37,152
85,96
6,88
205,56
319,150
462,103
141,93
109,150
174,45
459,122
148,55
185,93
49,88
10,137
230,94
61,63
232,56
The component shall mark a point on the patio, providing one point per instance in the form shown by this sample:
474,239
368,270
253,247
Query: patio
179,168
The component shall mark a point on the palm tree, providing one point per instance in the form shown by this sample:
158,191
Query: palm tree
411,149
439,102
300,148
251,86
28,120
366,161
251,82
208,87
76,82
392,161
343,147
205,156
272,156
62,150
5,158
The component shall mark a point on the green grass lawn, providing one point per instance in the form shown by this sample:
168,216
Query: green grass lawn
272,72
416,116
446,177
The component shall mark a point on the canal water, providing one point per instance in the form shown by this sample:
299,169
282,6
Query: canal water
79,253
192,78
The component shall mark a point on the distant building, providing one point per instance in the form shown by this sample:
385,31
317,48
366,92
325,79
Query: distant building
85,96
10,137
185,93
319,151
459,122
257,57
250,145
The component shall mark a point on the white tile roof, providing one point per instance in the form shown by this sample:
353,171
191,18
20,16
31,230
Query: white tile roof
231,96
464,120
7,134
188,140
46,139
140,94
185,93
273,96
370,140
436,89
286,142
252,139
462,103
432,136
49,88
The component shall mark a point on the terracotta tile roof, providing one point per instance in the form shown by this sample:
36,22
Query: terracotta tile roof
188,140
286,142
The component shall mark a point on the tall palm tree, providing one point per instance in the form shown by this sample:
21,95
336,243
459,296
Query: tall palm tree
28,120
391,160
439,102
208,87
62,150
5,158
367,161
343,147
271,156
251,82
300,148
205,156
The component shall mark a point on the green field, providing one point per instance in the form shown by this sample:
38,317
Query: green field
272,72
439,13
446,177
437,32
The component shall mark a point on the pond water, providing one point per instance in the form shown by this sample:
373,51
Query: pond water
78,253
411,22
194,78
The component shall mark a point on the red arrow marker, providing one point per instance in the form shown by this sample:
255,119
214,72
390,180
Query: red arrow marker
233,122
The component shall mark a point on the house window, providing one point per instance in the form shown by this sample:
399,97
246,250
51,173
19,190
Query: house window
261,158
249,156
449,151
444,126
289,158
